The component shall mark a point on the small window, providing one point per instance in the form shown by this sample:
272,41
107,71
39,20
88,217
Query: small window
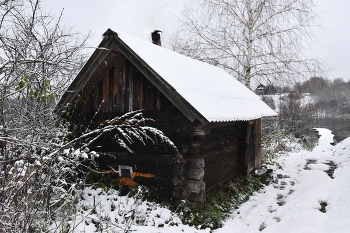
125,171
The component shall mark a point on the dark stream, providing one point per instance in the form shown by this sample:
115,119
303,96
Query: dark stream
340,128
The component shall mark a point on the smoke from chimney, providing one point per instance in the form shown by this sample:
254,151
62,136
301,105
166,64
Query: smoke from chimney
156,37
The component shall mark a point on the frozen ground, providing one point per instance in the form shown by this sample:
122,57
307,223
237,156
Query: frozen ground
306,197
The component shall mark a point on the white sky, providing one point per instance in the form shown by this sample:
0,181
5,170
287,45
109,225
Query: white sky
140,17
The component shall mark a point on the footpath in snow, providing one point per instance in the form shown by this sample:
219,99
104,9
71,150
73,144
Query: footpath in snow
311,193
308,196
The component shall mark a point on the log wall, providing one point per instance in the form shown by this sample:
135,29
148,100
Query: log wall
222,153
208,154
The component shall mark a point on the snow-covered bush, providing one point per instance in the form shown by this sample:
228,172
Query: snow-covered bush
296,117
42,180
40,188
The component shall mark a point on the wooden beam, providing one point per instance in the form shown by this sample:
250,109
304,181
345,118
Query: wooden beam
85,74
185,107
105,90
110,89
131,88
159,103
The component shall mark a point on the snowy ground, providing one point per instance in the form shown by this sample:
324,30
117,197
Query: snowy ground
292,204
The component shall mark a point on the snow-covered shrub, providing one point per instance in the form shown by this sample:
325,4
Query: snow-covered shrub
106,210
291,130
41,189
277,142
296,117
42,177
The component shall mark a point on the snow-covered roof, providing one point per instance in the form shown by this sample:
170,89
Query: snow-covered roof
214,93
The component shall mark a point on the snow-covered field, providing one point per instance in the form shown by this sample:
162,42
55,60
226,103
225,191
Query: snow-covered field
304,198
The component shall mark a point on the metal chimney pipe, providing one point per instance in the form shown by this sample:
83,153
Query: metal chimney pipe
156,38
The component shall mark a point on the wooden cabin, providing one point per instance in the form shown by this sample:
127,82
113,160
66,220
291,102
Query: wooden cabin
214,121
261,90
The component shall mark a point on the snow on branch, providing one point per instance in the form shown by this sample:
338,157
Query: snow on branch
127,129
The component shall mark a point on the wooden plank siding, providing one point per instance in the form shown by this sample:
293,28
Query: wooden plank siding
253,146
212,153
222,152
257,138
123,88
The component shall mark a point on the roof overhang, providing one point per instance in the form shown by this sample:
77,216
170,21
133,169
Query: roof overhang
112,42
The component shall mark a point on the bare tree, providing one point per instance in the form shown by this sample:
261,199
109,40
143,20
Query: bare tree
260,39
38,59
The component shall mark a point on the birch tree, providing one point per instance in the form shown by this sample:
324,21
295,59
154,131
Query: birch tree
261,40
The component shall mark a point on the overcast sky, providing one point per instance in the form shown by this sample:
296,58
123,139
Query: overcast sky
140,17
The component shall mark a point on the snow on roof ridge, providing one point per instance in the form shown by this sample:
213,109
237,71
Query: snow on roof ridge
213,92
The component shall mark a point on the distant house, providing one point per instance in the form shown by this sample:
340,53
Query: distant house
214,120
261,90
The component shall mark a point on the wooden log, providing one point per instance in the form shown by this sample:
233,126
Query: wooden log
126,98
159,101
194,186
179,169
110,90
224,133
105,91
131,88
250,148
121,86
141,168
211,150
214,183
151,169
150,96
221,170
196,145
220,157
179,192
195,173
178,180
198,130
116,74
257,133
194,151
94,102
222,136
219,125
157,180
197,162
231,128
201,128
137,76
224,171
219,149
197,199
136,159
